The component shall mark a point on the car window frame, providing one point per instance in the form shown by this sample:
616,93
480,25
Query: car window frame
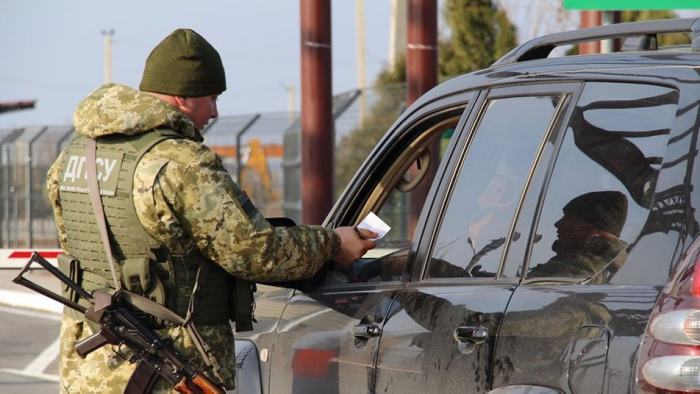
526,263
354,198
570,90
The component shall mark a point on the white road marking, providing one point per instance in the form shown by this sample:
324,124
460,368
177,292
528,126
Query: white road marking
41,376
35,369
44,359
35,301
43,315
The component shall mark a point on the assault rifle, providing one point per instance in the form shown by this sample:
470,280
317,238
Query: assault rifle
120,326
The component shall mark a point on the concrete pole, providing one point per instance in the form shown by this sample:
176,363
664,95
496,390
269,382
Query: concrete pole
397,30
607,18
317,131
421,76
361,58
108,55
291,102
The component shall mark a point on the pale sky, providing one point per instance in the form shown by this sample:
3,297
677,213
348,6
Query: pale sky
53,51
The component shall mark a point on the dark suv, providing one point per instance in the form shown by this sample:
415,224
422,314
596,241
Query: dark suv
544,237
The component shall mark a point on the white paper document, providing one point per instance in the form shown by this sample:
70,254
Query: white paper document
374,223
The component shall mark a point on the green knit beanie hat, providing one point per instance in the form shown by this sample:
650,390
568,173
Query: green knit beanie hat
184,64
605,209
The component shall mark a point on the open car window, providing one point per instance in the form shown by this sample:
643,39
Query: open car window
398,198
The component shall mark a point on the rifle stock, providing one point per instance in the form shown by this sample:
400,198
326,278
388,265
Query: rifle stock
145,374
198,384
36,258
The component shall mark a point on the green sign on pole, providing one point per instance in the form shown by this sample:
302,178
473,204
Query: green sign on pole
621,5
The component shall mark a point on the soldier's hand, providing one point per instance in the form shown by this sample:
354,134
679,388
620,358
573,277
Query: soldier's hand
353,244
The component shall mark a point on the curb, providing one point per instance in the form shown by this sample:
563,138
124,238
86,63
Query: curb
30,301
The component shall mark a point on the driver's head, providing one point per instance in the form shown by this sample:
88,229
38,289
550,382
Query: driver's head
595,214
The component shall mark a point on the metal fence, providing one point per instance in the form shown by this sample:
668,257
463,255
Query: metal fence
261,151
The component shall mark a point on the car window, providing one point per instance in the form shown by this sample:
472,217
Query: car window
603,183
394,211
405,183
482,204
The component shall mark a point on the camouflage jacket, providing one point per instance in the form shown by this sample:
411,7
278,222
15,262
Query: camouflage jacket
187,201
599,258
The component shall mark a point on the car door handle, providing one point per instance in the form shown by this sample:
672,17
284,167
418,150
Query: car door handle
366,331
469,334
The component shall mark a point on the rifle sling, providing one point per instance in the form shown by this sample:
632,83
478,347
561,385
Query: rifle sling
96,201
142,303
134,299
152,308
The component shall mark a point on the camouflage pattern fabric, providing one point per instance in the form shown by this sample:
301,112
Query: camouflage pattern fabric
591,261
536,341
188,202
593,258
104,371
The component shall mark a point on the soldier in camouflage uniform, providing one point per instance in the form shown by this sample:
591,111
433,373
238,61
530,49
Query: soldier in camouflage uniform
169,204
587,246
588,243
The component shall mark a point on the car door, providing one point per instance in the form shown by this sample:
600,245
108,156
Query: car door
574,324
328,333
441,329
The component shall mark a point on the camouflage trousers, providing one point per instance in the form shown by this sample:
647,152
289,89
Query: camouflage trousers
105,371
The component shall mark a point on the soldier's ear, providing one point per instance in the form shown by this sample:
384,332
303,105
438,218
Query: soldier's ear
181,101
184,104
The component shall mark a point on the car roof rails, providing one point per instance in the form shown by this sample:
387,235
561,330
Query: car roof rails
639,36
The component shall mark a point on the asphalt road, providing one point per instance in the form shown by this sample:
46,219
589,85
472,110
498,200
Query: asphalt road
29,355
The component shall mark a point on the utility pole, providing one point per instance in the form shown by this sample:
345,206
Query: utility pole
609,18
317,129
291,102
397,30
421,76
361,79
108,54
590,18
593,18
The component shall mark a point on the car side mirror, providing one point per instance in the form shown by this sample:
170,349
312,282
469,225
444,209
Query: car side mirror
423,165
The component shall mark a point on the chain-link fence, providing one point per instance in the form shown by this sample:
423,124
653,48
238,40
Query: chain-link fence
26,217
261,151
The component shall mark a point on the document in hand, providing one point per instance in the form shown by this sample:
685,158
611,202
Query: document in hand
374,223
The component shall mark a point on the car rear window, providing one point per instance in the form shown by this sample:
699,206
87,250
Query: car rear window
604,181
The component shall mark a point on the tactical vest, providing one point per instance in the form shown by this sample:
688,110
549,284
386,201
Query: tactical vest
144,266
